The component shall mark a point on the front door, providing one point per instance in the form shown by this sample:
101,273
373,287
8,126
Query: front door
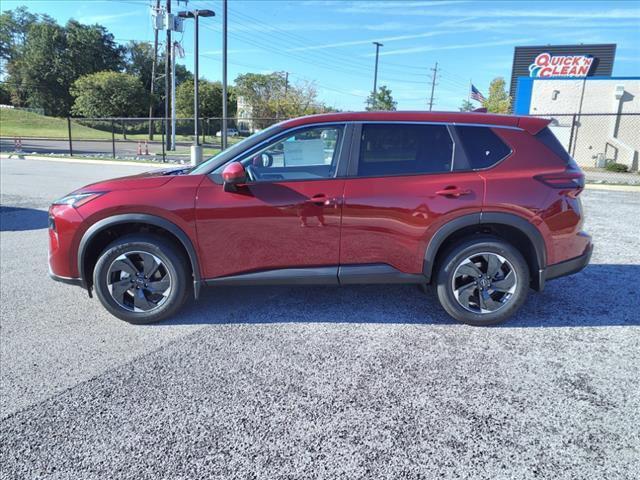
286,216
402,188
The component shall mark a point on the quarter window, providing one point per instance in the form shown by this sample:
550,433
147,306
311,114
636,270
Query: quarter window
404,149
477,148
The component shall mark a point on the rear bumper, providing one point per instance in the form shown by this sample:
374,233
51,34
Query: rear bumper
568,267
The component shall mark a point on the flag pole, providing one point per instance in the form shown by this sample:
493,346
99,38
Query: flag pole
469,91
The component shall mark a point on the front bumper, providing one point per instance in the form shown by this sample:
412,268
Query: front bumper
67,280
568,267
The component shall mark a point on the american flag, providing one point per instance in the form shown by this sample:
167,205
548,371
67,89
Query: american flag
476,95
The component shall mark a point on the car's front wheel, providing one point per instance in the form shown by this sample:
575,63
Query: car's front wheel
482,281
141,278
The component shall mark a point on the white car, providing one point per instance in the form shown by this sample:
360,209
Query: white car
231,132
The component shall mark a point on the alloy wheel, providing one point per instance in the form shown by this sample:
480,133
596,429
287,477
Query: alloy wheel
139,281
484,282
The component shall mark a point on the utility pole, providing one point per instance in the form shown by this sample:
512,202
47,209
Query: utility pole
375,73
176,47
224,75
286,90
167,72
433,84
153,72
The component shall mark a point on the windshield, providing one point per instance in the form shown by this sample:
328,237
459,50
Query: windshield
231,152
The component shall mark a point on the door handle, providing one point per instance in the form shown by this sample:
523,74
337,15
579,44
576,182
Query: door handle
322,200
454,192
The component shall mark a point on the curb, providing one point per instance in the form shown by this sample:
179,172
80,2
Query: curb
618,188
93,162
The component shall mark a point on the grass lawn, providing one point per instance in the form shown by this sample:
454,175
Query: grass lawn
20,123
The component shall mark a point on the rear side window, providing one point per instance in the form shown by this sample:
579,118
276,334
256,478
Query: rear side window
404,149
550,141
477,148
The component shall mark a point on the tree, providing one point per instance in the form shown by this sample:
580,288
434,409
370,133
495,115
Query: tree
261,92
210,97
381,100
271,96
467,106
5,95
14,25
498,100
108,94
138,60
39,76
51,57
91,48
300,100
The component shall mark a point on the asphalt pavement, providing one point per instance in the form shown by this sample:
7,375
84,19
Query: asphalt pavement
371,382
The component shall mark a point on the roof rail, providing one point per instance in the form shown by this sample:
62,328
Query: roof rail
481,110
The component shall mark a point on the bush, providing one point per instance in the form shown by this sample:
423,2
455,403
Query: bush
616,167
109,94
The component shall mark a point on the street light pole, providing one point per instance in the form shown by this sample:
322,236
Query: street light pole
196,109
196,149
173,96
224,75
167,72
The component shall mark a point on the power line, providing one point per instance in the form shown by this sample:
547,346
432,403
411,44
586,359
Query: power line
333,65
335,57
301,77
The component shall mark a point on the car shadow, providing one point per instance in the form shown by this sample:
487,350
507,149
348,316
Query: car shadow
600,295
18,219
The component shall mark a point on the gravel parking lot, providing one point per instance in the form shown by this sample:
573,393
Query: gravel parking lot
368,382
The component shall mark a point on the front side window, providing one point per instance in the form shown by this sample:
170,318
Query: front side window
404,149
305,154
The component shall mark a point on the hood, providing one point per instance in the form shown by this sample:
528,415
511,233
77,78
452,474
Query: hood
151,179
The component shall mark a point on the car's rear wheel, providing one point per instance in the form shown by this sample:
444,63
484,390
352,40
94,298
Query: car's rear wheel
482,281
141,278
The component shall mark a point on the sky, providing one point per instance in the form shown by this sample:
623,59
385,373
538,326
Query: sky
330,44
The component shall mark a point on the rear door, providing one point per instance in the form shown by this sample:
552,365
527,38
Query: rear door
401,188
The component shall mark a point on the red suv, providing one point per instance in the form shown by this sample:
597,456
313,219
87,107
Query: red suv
482,206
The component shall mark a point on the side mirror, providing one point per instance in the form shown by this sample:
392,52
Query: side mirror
233,175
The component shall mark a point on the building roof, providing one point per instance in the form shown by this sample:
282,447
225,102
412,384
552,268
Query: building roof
531,124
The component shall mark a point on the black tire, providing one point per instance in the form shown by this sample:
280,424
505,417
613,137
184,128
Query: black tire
475,253
174,267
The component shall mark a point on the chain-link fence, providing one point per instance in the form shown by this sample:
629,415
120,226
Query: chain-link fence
605,145
133,138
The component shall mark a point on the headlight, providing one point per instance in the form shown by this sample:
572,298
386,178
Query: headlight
77,199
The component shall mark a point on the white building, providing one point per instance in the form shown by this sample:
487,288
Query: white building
244,115
596,118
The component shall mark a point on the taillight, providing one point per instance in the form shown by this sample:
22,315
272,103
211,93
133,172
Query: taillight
571,179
